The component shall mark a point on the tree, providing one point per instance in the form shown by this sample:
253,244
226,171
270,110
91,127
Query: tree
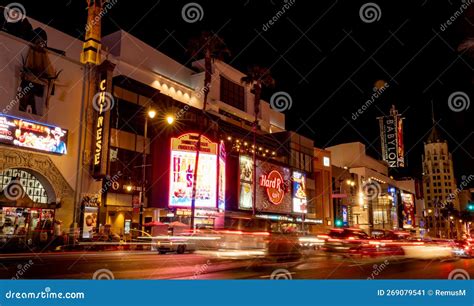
257,77
211,47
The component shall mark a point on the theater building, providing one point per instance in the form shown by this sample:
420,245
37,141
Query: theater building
41,95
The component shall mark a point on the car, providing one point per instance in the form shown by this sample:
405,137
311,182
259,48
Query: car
344,240
176,244
464,248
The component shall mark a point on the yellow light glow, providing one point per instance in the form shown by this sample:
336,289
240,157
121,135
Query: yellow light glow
129,188
169,119
151,113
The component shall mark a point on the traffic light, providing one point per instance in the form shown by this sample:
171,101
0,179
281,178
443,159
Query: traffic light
338,223
470,207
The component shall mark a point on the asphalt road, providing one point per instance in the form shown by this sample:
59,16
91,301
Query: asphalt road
149,265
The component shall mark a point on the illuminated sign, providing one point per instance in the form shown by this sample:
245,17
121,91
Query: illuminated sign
246,182
391,136
221,187
326,161
299,192
408,211
183,159
274,188
32,135
99,128
273,182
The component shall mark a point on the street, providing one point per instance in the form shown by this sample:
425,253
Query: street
149,265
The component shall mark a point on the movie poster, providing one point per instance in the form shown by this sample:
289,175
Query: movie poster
183,161
299,193
246,182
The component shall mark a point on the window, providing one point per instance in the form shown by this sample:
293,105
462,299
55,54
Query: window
32,187
232,94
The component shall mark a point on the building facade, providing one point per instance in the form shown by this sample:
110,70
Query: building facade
365,196
438,187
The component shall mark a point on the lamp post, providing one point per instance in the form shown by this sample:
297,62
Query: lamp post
170,120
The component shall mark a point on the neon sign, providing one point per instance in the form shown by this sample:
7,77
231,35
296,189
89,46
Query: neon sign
183,159
101,104
273,182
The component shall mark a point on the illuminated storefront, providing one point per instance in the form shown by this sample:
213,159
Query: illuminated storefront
26,212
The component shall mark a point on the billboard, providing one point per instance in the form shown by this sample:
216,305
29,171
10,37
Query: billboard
183,160
245,182
299,192
33,135
391,138
408,210
273,188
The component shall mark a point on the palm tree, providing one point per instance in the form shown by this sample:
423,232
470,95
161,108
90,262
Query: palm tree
257,77
211,47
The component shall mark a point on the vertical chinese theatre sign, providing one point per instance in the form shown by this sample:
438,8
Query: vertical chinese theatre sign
210,183
102,102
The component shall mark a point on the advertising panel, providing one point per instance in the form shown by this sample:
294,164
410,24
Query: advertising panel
246,182
401,148
408,211
391,138
299,192
183,158
273,188
221,193
32,135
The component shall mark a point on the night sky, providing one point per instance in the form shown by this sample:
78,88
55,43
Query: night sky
326,57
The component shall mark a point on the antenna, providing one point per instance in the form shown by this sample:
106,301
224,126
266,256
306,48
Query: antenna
432,113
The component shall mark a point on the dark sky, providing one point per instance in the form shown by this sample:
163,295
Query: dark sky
326,58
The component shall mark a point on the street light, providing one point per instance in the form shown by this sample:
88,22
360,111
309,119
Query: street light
151,113
169,119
